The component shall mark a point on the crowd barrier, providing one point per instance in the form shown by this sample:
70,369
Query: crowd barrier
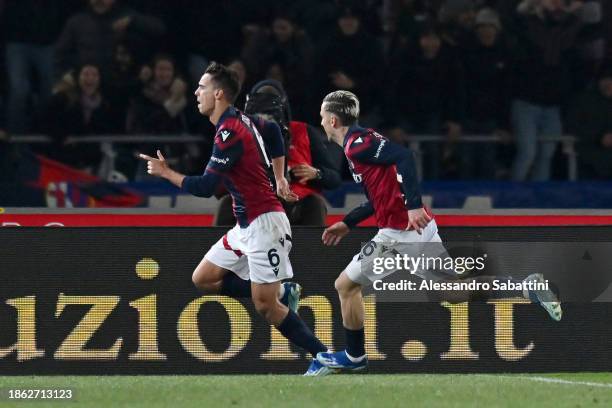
106,143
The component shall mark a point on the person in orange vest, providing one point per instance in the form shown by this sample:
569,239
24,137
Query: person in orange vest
309,167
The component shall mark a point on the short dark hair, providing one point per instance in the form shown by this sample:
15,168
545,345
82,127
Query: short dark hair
226,79
344,105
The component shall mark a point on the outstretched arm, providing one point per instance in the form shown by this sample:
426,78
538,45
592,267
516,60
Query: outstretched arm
358,214
201,186
332,235
159,168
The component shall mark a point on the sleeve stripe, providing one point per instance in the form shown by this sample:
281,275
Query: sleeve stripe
225,145
212,170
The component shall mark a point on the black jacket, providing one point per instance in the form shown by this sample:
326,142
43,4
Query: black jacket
426,87
88,37
543,59
487,83
36,22
360,57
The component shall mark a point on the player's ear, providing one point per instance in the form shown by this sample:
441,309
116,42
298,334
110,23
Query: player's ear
219,93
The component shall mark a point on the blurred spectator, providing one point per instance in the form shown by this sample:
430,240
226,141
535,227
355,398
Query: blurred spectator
285,55
352,60
255,52
126,81
487,79
255,21
91,35
291,52
370,14
202,31
428,96
126,77
590,120
160,109
2,64
2,102
457,19
406,18
30,27
449,79
78,108
548,32
592,48
244,78
317,17
607,24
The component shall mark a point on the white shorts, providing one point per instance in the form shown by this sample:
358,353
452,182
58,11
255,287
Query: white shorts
259,252
390,242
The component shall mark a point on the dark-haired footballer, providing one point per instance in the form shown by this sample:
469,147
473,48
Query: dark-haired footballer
252,259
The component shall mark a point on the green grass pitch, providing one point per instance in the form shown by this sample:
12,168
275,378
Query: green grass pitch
359,390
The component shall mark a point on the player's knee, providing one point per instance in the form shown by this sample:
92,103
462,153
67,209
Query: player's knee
265,305
267,310
338,285
345,288
207,274
203,284
207,288
198,279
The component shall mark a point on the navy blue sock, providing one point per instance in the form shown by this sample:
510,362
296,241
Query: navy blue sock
355,342
296,331
235,287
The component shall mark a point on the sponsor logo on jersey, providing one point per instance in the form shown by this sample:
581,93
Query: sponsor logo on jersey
380,146
218,160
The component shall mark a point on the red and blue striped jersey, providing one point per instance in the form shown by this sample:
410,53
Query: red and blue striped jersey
388,175
240,160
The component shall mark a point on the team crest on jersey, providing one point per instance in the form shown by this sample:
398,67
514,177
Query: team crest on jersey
225,134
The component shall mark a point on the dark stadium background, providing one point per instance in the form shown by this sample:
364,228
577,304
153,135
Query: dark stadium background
425,80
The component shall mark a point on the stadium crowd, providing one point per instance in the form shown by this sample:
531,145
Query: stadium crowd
509,69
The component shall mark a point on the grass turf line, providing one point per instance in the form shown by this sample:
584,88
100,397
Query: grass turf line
414,390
